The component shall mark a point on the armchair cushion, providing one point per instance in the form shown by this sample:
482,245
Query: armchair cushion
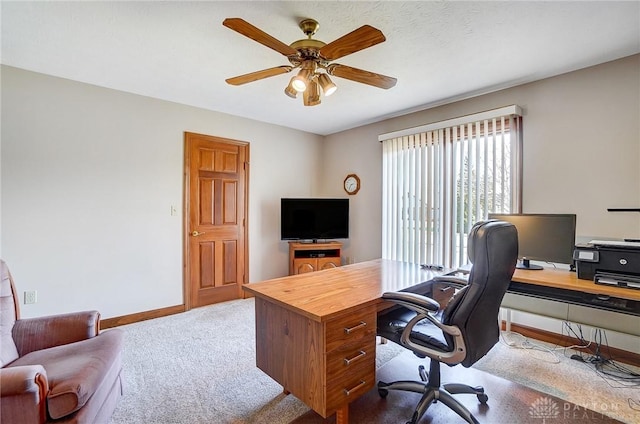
76,370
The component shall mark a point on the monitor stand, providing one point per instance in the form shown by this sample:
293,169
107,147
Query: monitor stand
525,264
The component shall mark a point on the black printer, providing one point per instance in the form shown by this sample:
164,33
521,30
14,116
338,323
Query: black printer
609,262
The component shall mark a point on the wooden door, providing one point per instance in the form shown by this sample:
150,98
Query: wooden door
216,260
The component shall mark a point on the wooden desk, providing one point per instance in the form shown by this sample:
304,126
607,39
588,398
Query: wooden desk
561,295
316,332
563,279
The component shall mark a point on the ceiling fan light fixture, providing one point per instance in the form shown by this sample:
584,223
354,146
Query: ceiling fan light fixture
311,96
328,87
290,91
299,82
304,77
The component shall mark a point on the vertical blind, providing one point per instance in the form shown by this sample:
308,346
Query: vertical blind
440,179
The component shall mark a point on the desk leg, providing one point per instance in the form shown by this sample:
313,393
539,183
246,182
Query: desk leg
342,415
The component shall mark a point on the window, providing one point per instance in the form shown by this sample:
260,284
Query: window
440,179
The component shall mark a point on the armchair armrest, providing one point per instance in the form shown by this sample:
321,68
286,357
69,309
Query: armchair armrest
32,334
23,392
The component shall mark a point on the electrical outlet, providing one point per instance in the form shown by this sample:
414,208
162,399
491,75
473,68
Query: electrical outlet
30,297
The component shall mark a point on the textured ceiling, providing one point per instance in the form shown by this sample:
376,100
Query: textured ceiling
439,51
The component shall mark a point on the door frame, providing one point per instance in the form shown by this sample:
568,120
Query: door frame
186,209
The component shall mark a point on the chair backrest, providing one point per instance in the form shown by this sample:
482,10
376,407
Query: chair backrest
9,313
493,251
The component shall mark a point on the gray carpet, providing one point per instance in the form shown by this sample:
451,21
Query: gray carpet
199,367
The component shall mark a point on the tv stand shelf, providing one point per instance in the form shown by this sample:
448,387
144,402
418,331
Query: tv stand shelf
309,257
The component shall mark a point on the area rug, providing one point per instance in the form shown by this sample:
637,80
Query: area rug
508,402
549,369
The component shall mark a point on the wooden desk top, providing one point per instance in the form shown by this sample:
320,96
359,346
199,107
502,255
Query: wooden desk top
322,295
564,279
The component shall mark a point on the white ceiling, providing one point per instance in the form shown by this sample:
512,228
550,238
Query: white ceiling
439,51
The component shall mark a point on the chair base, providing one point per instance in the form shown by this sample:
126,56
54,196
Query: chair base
432,392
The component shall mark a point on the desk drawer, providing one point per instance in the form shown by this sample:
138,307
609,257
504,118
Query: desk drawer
348,357
348,383
348,328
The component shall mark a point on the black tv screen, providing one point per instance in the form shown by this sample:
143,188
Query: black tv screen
314,219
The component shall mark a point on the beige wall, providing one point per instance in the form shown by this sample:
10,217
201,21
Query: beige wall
581,151
581,155
89,176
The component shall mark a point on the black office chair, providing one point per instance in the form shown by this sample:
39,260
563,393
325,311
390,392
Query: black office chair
465,330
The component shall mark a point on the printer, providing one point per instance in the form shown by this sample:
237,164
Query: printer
608,262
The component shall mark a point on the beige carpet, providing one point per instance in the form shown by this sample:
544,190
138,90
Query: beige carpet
199,367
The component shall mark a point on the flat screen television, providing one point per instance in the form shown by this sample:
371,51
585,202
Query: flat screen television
314,219
542,237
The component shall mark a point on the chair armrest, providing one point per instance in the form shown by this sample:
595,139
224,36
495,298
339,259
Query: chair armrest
22,379
415,302
31,334
23,392
459,281
424,307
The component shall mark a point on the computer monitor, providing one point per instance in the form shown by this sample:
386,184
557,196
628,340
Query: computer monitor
542,237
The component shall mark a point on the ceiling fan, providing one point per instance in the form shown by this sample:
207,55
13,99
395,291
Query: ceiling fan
314,58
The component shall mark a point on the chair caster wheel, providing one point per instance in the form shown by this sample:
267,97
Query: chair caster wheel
382,391
483,398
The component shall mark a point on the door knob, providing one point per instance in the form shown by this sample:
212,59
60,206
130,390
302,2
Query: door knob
196,233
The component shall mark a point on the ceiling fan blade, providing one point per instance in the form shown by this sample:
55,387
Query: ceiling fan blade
361,38
358,75
245,28
258,75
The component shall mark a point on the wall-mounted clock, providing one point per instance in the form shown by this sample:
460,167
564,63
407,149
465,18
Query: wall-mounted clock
352,184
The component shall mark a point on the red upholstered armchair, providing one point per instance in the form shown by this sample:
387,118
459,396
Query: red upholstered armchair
56,369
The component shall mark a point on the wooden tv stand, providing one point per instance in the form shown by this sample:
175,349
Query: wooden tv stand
309,257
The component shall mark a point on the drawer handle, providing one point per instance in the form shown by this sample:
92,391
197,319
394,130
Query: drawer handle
349,391
354,328
358,356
